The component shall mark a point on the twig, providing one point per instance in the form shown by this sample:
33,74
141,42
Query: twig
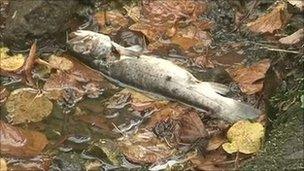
280,50
29,63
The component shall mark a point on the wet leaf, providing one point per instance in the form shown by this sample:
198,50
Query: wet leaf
172,11
61,63
10,63
144,148
250,79
298,3
3,165
27,105
110,22
18,142
152,32
36,163
72,75
294,38
133,12
4,93
273,21
210,161
244,137
191,36
215,142
191,128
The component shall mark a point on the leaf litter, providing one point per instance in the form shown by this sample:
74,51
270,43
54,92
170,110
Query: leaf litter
165,129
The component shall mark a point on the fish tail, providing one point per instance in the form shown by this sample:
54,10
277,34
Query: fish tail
234,110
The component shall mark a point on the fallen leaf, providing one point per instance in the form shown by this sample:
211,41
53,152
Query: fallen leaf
268,23
27,105
244,137
18,142
4,93
133,12
211,161
215,142
111,21
61,63
191,128
10,63
144,148
3,165
294,38
298,3
74,77
191,36
152,32
250,79
172,11
33,164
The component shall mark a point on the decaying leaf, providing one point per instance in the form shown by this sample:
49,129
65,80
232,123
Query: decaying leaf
244,137
215,142
10,63
268,23
111,21
3,166
298,3
294,38
145,148
39,162
61,63
152,32
250,79
212,161
27,105
72,75
133,12
18,142
4,93
191,36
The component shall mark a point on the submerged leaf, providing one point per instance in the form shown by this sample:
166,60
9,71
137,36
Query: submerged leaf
245,137
27,105
145,148
18,142
272,21
10,63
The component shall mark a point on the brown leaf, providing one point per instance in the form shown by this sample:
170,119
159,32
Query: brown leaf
152,32
4,93
144,148
191,36
294,38
98,121
215,142
172,11
268,23
191,128
111,21
18,142
74,75
250,79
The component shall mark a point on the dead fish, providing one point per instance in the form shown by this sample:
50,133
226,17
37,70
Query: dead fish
159,76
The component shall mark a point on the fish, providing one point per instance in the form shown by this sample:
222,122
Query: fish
158,76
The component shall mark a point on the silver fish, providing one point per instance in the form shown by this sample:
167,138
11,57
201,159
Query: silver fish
159,76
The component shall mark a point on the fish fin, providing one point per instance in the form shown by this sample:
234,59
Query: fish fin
217,87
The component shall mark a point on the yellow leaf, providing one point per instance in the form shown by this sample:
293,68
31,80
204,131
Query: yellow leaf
245,137
27,105
3,166
10,63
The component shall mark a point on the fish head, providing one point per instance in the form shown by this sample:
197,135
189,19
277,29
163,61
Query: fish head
86,42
